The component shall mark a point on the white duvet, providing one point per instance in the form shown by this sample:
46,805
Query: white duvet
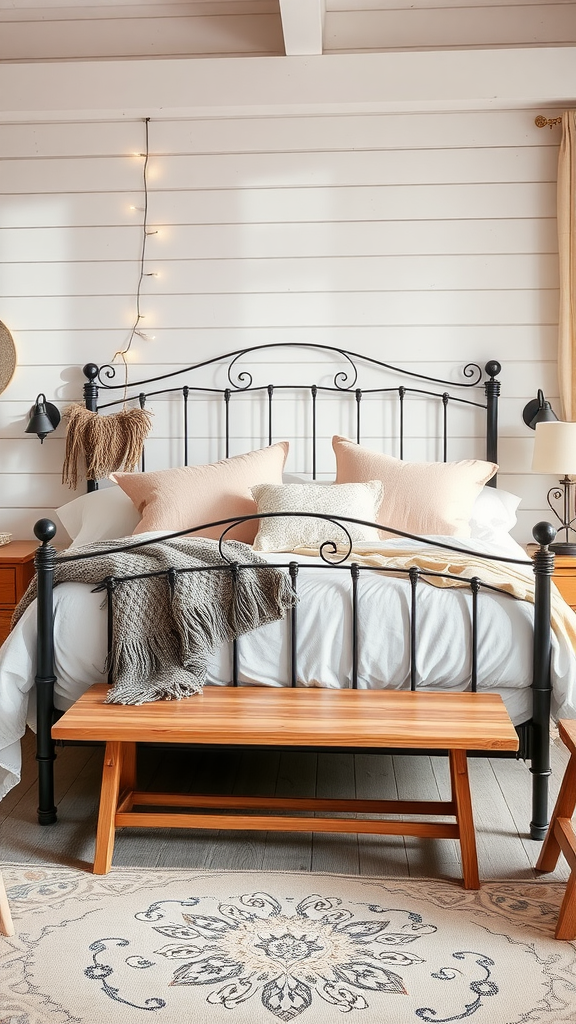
324,646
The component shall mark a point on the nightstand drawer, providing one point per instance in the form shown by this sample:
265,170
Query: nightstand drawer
8,585
565,580
5,618
16,571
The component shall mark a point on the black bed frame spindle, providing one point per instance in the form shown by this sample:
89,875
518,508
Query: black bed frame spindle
355,575
234,577
227,394
45,679
401,394
414,575
314,393
110,588
544,534
445,400
142,404
358,394
475,588
185,393
270,390
293,570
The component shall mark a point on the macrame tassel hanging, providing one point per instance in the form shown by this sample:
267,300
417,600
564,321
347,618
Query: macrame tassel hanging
106,444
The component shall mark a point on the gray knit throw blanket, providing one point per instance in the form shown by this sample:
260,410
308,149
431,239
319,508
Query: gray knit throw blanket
166,626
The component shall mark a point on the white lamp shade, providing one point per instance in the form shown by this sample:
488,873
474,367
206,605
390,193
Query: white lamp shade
555,448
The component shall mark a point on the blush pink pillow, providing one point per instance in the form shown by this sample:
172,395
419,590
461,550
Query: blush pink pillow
419,497
179,499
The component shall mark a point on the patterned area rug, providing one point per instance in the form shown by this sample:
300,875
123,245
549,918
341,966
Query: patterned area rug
176,946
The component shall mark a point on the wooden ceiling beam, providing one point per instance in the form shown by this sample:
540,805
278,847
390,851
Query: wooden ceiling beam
303,26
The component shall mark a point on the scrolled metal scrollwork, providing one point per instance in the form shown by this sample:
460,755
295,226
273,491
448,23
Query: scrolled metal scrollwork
341,381
473,371
344,380
243,375
325,547
96,373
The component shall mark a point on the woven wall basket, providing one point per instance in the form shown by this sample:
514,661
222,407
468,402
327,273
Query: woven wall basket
7,357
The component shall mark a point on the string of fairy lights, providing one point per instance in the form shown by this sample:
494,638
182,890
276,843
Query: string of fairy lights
136,329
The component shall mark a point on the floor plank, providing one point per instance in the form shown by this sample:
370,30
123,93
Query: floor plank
515,782
417,779
379,855
330,851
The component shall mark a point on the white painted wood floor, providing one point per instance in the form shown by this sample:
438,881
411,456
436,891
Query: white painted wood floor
500,794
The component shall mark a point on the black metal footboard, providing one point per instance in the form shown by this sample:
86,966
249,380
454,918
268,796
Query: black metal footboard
534,734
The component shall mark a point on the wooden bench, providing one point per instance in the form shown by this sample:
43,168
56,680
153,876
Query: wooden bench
321,719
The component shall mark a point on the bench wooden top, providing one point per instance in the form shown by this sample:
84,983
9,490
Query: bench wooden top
278,716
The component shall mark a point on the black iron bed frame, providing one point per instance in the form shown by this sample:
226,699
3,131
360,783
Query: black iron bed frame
534,734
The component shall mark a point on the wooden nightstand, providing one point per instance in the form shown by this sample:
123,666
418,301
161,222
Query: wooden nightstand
564,575
16,571
565,578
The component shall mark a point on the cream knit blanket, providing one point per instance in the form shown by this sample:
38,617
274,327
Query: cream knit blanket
516,580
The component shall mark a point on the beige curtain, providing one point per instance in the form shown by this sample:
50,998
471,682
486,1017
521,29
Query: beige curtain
567,266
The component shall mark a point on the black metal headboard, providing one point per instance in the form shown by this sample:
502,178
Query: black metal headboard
345,381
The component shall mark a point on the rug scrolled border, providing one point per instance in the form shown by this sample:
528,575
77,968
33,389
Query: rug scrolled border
245,947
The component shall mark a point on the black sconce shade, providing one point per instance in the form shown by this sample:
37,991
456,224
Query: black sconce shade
44,418
538,410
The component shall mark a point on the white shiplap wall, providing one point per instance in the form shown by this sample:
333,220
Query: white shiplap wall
422,238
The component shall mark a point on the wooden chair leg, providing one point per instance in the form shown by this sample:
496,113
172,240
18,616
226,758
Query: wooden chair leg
566,925
105,833
566,839
6,923
564,808
464,817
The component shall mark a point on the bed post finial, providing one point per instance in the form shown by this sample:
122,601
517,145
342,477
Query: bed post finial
91,371
45,530
45,679
544,533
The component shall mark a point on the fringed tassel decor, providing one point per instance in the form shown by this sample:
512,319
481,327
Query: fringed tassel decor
106,444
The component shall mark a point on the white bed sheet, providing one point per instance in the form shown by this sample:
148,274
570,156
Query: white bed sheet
325,650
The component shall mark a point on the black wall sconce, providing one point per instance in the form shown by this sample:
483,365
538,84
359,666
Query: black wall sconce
44,418
538,410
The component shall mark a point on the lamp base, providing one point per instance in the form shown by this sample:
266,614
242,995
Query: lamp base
563,548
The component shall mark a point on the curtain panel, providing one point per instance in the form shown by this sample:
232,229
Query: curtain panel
567,266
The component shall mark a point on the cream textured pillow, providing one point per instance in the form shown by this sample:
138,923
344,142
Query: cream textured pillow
419,497
180,499
360,501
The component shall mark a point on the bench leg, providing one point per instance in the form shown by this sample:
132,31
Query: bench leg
128,770
464,818
111,775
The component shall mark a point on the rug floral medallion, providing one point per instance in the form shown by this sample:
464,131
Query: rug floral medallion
203,947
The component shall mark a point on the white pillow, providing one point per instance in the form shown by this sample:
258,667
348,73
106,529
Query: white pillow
101,515
360,501
493,514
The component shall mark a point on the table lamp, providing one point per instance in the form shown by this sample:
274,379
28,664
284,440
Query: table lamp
555,452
